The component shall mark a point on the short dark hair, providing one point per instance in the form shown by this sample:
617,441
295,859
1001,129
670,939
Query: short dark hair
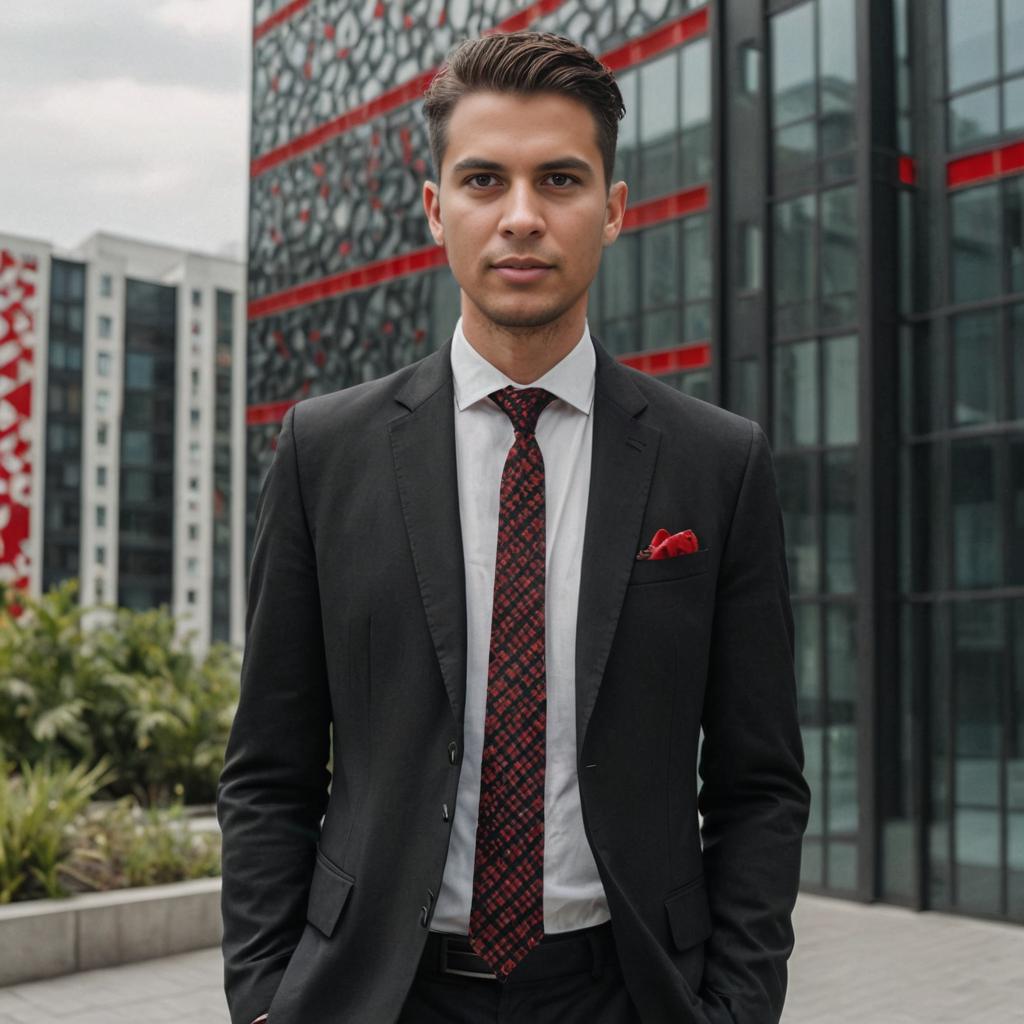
524,63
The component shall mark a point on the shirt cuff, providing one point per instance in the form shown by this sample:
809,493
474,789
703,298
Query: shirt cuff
261,1019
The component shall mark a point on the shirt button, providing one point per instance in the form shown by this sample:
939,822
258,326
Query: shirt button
453,752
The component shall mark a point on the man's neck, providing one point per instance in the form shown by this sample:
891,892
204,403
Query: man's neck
524,354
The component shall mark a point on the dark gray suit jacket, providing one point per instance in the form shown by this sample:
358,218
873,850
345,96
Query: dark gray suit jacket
357,622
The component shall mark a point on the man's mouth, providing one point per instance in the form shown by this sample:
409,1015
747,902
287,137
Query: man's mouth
521,269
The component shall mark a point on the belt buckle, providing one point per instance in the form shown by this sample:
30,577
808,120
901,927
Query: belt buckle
452,958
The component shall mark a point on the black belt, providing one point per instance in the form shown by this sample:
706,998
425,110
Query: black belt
576,952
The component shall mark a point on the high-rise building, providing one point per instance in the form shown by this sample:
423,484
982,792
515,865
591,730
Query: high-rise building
122,380
826,233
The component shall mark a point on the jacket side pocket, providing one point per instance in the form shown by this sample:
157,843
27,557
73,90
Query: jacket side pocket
328,894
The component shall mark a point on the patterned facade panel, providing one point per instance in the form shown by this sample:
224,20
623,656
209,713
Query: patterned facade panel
19,315
354,337
351,202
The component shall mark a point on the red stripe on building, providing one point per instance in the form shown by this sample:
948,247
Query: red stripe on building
348,281
653,211
994,163
268,412
673,34
277,18
908,170
694,356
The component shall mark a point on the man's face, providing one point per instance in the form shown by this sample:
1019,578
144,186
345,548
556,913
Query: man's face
522,208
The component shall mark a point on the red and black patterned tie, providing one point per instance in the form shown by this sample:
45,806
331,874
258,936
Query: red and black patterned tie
507,916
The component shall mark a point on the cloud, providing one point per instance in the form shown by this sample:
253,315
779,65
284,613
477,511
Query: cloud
126,116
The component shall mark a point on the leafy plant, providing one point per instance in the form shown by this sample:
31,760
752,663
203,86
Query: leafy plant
37,807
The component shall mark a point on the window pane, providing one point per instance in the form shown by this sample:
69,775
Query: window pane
841,655
793,74
840,500
619,278
795,265
794,474
1013,228
659,113
976,561
138,370
696,113
696,258
1013,36
697,321
1015,542
1017,346
137,446
796,394
660,274
661,329
976,373
749,273
973,118
837,75
971,41
1013,106
796,149
976,258
840,369
839,256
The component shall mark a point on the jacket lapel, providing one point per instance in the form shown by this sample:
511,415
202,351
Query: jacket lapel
423,449
622,464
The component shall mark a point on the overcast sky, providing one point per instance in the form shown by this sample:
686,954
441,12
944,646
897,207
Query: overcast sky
129,116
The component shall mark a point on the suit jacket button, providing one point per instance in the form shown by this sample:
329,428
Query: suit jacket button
453,752
445,816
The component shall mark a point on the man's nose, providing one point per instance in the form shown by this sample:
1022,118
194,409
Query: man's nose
521,215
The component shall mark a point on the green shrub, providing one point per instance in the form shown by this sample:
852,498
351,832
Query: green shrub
126,690
37,808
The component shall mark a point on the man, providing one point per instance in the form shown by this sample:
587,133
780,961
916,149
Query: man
517,579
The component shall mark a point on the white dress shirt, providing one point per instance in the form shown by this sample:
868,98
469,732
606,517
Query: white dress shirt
573,894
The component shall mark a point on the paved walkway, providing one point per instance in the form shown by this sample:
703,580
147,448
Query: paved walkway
869,965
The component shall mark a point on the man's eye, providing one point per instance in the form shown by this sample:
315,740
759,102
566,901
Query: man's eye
561,180
482,180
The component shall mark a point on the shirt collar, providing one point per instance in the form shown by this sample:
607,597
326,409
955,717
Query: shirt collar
571,379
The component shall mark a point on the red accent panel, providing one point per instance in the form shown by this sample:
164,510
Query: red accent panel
908,170
348,281
675,33
278,17
18,312
694,356
692,24
268,412
994,163
642,215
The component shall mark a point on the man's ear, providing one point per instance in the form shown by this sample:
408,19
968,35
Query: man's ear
432,208
615,211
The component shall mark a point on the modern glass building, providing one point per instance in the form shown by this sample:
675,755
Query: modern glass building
826,234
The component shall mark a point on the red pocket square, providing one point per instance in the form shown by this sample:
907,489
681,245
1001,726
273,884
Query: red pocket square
668,545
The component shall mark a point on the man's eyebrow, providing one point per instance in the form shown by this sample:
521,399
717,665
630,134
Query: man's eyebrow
565,163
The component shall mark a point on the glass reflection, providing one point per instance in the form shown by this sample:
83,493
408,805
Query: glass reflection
970,41
976,376
793,75
976,561
976,263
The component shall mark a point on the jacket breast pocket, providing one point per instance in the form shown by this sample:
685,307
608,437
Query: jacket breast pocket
689,916
328,894
664,570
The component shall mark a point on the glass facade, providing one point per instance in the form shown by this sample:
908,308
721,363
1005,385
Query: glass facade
826,234
63,491
146,513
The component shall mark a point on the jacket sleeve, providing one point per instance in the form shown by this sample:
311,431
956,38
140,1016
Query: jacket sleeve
753,797
274,786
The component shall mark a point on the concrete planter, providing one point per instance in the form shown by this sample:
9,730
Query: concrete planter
45,938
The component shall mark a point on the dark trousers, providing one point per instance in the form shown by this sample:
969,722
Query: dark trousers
578,983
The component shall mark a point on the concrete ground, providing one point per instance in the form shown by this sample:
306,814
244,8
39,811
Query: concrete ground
869,965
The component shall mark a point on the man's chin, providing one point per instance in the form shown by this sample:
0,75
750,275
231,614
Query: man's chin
520,319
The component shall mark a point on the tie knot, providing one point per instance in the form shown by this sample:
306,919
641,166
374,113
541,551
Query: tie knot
523,406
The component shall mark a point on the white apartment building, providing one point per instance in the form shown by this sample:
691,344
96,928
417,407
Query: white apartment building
122,427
